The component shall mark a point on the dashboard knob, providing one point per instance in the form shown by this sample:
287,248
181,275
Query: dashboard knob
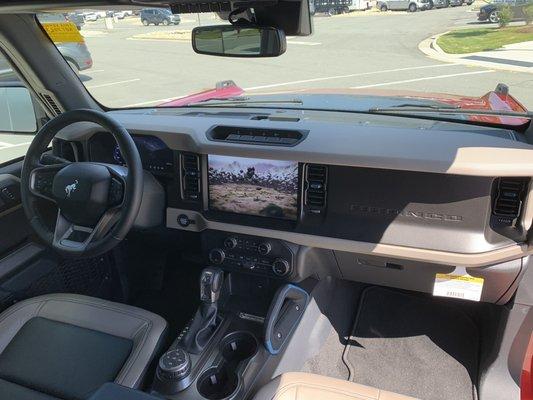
174,364
230,243
264,248
217,256
281,267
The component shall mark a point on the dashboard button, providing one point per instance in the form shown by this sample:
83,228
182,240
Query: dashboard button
264,248
174,364
230,243
281,267
217,256
183,220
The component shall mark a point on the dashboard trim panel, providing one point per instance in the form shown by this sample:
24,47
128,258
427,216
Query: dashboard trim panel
470,260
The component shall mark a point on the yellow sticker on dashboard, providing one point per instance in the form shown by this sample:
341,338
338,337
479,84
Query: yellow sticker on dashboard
63,32
458,284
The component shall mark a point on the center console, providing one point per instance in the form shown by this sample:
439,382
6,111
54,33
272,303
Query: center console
244,253
240,324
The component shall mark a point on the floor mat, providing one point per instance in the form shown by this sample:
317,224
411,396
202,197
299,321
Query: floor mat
96,277
340,313
413,345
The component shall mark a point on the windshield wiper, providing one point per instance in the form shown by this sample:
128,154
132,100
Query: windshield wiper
423,108
405,106
241,101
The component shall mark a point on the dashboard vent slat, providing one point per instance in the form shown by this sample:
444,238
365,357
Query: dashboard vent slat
315,189
257,136
509,197
52,104
190,172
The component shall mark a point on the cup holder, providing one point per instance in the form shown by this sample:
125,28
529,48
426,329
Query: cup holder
218,383
222,381
238,346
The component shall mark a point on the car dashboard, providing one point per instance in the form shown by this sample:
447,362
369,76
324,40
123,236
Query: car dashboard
369,198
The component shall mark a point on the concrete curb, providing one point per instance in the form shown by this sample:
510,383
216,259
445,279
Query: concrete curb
431,49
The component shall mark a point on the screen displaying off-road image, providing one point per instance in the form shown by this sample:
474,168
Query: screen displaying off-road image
267,188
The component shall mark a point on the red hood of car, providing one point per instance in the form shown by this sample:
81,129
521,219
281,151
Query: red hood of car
222,90
493,101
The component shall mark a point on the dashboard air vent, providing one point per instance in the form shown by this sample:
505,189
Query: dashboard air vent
52,104
257,136
190,176
315,191
509,197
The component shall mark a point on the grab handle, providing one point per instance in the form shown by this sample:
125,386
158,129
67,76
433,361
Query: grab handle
285,312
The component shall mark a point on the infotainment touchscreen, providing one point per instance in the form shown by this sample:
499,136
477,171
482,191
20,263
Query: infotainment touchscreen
252,186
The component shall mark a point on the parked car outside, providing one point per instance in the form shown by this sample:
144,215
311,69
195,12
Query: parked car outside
90,17
158,16
75,51
77,55
456,3
491,12
76,19
397,5
440,3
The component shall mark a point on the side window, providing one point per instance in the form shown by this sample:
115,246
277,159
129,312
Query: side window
18,119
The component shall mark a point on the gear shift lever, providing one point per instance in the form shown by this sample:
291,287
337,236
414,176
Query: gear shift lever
204,322
210,285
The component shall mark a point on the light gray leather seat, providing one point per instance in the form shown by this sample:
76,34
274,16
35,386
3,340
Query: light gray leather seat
304,386
66,346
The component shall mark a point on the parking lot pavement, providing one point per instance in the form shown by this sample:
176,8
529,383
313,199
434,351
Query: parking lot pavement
372,51
13,146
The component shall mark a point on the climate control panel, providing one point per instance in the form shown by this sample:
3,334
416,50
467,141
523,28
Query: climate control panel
248,254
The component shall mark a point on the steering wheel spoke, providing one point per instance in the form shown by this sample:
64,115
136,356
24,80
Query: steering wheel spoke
42,179
117,185
72,237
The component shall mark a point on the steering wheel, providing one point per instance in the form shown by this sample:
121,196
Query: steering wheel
97,203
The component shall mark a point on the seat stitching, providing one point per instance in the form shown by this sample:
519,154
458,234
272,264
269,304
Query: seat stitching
137,350
38,311
76,301
104,307
288,386
16,308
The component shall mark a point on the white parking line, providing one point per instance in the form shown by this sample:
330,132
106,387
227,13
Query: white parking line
428,78
304,43
153,101
327,78
113,83
92,71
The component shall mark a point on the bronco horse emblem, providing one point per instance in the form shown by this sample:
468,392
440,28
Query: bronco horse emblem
71,188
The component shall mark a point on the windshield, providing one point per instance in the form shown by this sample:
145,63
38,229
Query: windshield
362,54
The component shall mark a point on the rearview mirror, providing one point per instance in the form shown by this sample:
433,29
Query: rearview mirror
235,41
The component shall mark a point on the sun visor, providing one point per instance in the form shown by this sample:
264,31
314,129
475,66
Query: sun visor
292,16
